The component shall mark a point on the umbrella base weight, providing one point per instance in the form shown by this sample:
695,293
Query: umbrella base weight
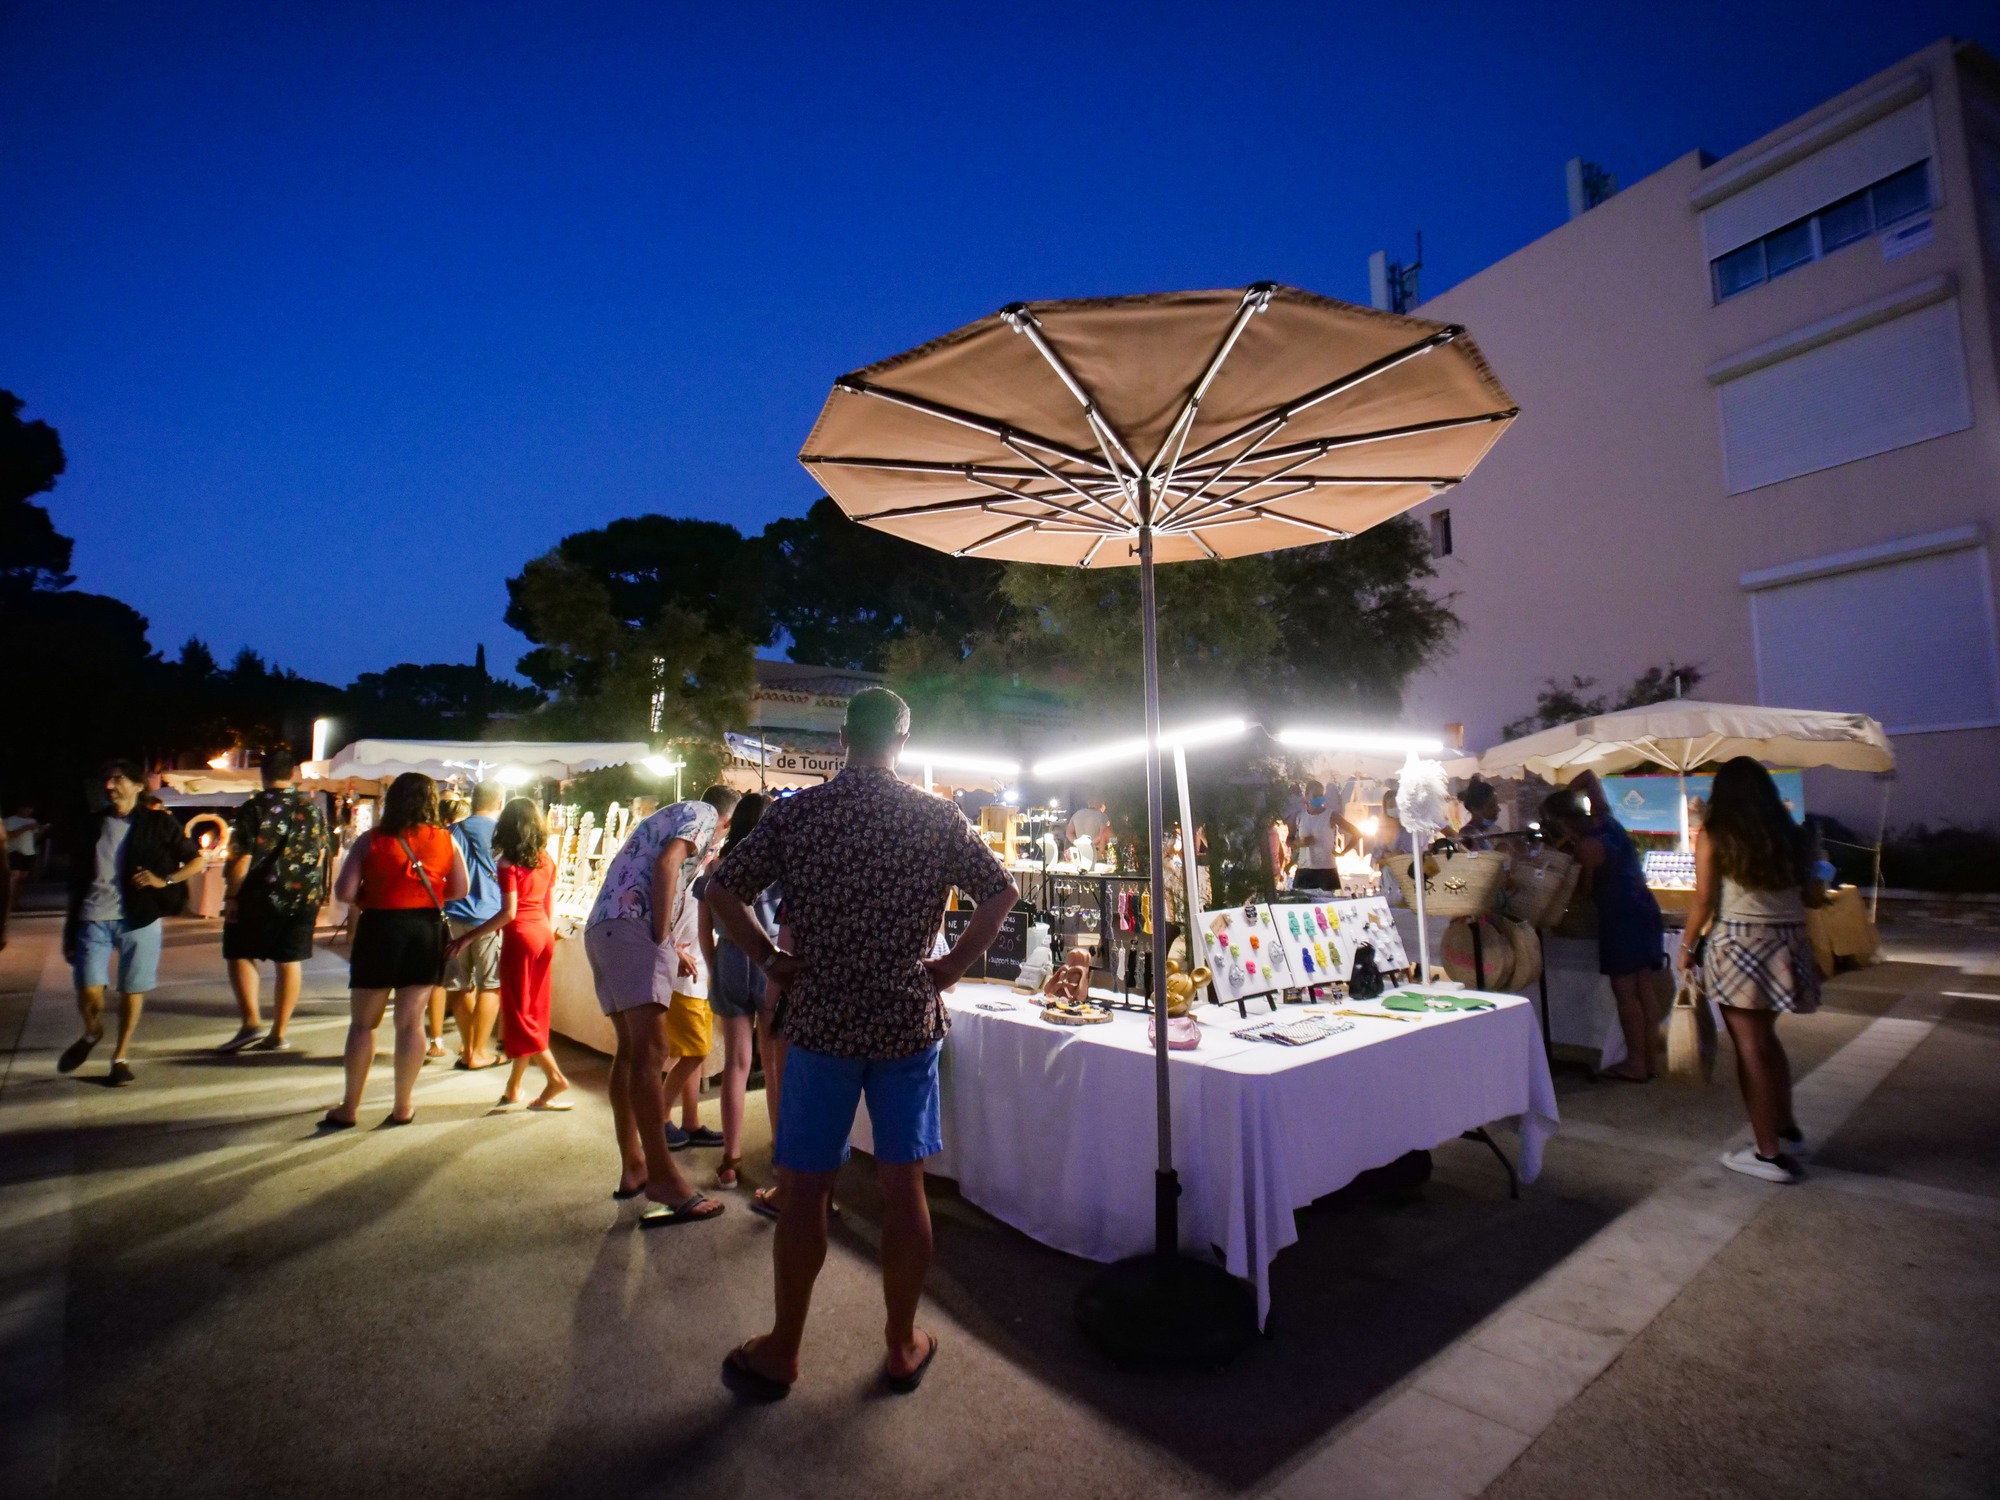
1167,1310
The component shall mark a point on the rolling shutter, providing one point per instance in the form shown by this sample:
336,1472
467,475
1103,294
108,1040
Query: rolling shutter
1910,643
1885,387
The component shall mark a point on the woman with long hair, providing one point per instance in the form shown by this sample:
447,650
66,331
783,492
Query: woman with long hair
1753,880
398,875
1630,935
736,993
527,949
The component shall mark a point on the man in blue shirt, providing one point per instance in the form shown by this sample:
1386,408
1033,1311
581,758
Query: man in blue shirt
472,977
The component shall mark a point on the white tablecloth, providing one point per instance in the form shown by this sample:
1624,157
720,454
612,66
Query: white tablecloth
1051,1128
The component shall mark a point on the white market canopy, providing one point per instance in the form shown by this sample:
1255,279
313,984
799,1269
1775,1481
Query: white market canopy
1682,734
475,760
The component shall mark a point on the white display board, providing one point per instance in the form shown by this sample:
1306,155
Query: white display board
1257,950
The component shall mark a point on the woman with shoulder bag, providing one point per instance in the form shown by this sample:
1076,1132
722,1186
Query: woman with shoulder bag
398,877
1631,937
1753,882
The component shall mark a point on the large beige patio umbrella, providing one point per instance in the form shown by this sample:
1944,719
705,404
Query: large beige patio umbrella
1119,431
1682,734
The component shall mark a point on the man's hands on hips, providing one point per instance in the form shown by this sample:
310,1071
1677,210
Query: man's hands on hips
946,971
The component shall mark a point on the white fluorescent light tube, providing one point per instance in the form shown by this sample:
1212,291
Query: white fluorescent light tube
659,765
514,776
1347,739
953,760
1171,739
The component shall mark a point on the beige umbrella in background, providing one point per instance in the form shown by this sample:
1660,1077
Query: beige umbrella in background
1113,431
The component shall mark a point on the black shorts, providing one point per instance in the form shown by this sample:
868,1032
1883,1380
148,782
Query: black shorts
21,864
397,948
1315,880
262,933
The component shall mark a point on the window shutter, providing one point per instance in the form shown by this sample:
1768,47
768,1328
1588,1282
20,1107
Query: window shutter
1886,387
1910,643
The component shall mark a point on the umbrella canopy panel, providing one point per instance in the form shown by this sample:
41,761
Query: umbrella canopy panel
1259,420
1682,734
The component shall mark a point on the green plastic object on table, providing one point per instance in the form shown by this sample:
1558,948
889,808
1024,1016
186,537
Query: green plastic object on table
1405,1000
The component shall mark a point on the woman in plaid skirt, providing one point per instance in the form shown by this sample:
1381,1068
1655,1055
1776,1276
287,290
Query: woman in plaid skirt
1753,881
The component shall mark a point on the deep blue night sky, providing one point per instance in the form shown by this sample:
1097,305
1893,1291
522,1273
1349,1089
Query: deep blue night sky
345,311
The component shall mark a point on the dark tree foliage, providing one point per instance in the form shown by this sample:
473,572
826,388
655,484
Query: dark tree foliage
646,563
198,706
33,554
432,700
1565,700
844,592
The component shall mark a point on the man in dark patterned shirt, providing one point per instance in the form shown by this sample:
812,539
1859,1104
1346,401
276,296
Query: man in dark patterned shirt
275,881
866,863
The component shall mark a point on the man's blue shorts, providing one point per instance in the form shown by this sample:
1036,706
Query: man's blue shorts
816,1108
138,956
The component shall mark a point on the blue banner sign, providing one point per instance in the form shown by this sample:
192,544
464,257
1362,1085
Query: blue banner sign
1652,804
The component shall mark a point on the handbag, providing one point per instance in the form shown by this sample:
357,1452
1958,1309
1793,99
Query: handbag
444,922
1691,1029
1538,881
1457,882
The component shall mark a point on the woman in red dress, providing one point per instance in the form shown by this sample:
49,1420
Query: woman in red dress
527,949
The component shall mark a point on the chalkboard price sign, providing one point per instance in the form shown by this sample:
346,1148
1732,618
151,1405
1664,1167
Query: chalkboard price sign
1003,960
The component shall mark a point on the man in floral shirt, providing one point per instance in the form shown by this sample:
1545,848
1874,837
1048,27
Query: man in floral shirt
866,863
274,883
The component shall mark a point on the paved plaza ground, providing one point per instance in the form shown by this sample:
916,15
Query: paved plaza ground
200,1296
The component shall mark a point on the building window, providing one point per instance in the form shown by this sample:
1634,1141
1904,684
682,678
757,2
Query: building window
1440,533
1897,197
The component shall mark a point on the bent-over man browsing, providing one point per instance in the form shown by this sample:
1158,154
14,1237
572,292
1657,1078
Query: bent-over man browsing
866,863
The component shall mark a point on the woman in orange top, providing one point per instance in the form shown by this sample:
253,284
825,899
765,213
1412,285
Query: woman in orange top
527,948
397,876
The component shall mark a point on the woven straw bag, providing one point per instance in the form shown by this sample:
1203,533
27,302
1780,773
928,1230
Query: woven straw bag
1495,955
1456,884
1691,1033
1536,882
1527,953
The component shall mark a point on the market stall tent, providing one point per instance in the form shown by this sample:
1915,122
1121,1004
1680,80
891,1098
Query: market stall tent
475,760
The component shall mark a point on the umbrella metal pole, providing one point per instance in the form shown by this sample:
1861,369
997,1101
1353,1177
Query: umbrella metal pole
1166,1185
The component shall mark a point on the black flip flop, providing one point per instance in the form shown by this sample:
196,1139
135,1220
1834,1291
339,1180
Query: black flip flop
328,1122
665,1215
392,1122
621,1194
745,1381
904,1385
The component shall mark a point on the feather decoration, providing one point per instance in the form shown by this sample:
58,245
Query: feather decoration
1422,793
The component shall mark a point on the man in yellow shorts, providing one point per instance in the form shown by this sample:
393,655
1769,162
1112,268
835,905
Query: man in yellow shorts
690,1034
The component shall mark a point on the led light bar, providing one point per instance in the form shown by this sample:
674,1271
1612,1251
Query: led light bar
957,760
1190,738
1352,739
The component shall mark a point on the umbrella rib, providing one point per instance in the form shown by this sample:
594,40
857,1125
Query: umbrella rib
1022,320
1049,500
1235,498
1255,300
1190,510
1089,556
999,536
1279,416
1065,480
1382,435
855,386
1259,513
929,466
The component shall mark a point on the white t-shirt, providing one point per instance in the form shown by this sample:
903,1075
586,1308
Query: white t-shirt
686,930
21,835
1314,844
104,901
1088,823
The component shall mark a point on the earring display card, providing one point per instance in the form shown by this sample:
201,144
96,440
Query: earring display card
1371,922
1244,953
1317,941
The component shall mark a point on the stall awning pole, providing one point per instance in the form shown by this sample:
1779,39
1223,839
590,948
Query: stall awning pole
1197,950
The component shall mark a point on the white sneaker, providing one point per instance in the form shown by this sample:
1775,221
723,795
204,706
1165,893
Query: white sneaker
1780,1168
